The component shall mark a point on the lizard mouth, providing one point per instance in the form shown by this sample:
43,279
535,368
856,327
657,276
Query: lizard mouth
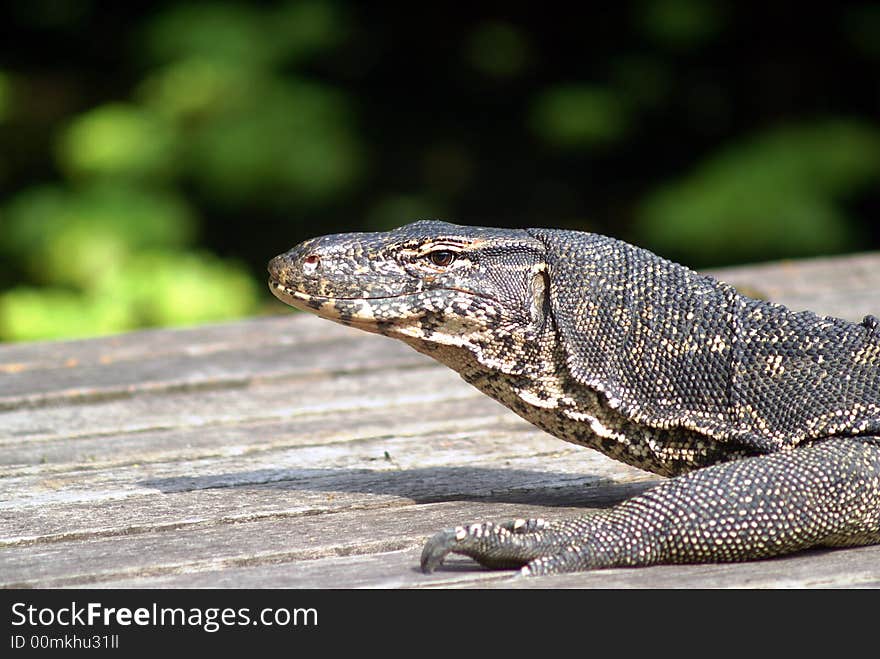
353,311
364,312
299,299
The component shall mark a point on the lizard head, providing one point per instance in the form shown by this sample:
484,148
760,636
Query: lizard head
429,280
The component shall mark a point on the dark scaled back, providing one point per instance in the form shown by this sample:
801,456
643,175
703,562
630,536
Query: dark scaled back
671,348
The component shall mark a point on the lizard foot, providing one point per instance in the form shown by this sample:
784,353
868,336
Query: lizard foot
533,545
820,494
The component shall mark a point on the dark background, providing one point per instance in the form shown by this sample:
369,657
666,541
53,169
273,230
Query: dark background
153,156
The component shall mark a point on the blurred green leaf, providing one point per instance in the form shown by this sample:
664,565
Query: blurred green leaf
30,314
776,194
291,140
118,140
227,32
681,23
155,288
78,237
172,288
307,27
498,49
195,87
574,116
243,35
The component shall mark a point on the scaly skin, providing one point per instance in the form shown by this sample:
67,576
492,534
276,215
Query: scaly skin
768,420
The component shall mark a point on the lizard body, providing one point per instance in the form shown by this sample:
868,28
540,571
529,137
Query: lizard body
768,420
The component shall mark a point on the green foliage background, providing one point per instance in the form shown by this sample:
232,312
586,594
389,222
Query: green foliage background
153,156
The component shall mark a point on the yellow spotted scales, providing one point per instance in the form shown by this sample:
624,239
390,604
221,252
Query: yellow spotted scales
768,420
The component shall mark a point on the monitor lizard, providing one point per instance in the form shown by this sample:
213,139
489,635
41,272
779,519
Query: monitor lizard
766,420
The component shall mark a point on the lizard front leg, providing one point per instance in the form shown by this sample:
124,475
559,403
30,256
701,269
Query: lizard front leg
826,493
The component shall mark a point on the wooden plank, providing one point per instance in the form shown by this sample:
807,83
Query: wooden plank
309,481
852,568
211,436
284,329
242,543
385,569
843,286
124,560
297,397
34,388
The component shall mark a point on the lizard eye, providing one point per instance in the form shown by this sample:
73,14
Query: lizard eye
442,257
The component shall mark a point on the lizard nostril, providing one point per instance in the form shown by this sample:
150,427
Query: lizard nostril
310,263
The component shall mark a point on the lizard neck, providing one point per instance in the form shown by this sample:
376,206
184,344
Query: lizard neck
552,400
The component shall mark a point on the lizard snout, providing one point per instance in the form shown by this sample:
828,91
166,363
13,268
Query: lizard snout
301,262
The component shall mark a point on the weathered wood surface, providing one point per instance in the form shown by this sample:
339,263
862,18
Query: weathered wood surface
292,452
